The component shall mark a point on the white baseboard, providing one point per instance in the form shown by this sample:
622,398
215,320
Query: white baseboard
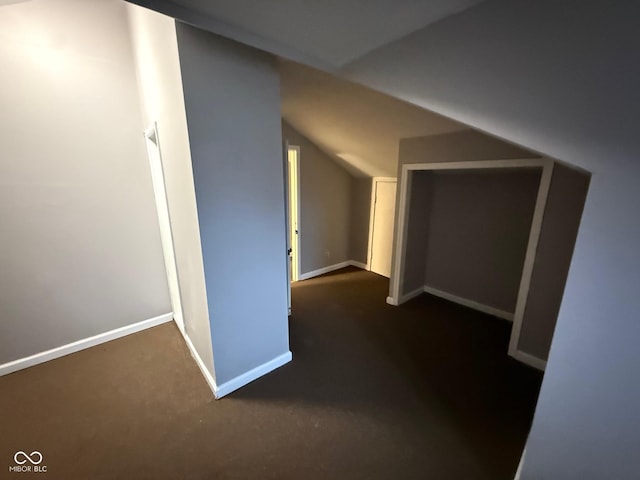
361,265
322,271
408,296
239,381
253,374
205,372
78,345
405,298
331,268
496,312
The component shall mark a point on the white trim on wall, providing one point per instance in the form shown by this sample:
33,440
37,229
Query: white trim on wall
203,369
412,294
399,254
527,271
360,265
78,345
323,270
392,301
241,380
156,169
372,200
331,268
496,312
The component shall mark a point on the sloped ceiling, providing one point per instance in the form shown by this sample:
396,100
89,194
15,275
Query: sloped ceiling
360,128
356,26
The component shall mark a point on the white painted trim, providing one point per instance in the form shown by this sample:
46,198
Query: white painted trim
406,297
527,270
481,164
287,219
372,213
401,223
161,200
299,213
481,307
323,270
395,287
78,345
372,202
412,294
203,368
241,380
361,265
331,268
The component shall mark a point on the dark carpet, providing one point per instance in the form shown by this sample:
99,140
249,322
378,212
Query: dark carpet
421,391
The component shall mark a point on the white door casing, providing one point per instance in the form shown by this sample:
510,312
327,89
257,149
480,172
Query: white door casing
381,242
293,160
292,221
396,294
164,220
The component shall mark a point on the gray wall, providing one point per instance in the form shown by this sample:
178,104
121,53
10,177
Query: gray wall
360,211
417,235
560,78
232,102
477,233
561,220
325,197
464,146
160,85
80,249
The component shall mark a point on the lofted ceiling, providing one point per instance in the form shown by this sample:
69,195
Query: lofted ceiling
327,33
358,127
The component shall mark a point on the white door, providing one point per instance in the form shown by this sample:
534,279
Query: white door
166,237
382,237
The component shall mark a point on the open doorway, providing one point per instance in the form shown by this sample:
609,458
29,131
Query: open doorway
383,205
506,254
293,215
164,220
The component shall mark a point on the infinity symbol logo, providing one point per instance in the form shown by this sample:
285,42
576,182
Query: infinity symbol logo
35,458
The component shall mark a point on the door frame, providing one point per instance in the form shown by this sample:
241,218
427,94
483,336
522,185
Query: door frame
295,257
372,214
152,143
396,295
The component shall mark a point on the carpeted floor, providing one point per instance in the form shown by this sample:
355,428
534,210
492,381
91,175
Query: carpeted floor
421,391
